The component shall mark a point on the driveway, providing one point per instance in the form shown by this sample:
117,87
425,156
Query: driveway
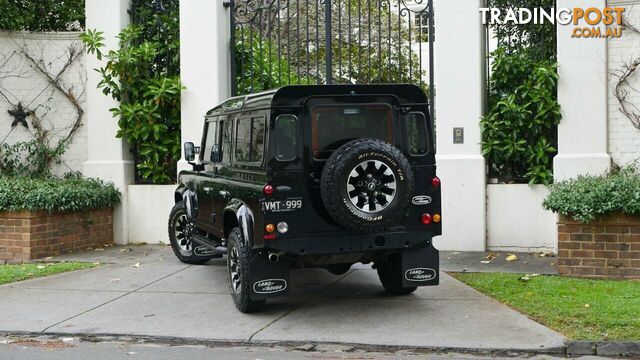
165,298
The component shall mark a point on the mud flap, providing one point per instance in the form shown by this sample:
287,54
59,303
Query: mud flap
421,266
268,279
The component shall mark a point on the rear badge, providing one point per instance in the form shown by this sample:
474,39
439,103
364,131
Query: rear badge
420,274
421,200
269,286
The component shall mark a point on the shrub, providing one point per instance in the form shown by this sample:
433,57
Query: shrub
143,75
519,129
587,197
70,194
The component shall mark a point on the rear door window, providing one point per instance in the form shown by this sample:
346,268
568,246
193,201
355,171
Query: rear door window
334,126
416,133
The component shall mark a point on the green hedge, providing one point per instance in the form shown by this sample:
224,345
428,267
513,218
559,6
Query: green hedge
587,197
53,194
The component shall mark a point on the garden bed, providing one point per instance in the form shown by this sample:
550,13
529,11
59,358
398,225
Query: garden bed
599,225
30,235
13,273
51,216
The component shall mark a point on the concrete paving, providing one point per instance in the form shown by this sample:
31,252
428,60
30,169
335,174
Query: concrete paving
495,261
146,291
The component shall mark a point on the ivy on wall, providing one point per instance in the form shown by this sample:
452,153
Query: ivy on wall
42,15
519,131
143,75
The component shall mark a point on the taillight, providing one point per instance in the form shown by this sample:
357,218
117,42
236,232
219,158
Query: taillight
426,219
268,190
435,181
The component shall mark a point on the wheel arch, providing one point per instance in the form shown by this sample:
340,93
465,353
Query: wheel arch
238,214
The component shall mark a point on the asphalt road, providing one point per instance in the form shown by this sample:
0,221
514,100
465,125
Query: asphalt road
70,349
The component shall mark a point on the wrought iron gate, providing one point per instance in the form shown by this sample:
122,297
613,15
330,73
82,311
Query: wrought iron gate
281,42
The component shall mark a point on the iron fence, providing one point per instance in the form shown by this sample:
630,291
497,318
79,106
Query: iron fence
282,42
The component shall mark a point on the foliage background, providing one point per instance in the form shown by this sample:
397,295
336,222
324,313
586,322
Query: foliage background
42,15
519,131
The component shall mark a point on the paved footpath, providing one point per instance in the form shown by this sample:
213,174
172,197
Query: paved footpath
165,299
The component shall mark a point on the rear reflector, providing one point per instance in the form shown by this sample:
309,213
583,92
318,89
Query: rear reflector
270,237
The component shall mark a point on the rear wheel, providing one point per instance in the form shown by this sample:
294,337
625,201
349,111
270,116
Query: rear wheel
180,230
238,262
390,274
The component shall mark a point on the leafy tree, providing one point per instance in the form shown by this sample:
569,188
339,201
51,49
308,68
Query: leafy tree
39,15
143,75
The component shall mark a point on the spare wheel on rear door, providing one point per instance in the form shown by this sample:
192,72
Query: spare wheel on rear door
366,186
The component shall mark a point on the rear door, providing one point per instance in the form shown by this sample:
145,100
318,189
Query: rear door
329,124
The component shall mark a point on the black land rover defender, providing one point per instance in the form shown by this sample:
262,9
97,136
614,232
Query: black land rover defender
312,176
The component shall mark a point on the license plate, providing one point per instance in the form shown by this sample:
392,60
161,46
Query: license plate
291,204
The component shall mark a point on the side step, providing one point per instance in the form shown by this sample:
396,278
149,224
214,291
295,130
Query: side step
204,247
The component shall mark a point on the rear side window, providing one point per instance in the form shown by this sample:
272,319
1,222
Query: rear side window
250,140
286,137
334,126
416,134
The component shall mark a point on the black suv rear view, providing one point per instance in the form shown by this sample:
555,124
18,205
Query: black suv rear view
312,176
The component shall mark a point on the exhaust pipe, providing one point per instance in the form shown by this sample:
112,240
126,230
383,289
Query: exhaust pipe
273,257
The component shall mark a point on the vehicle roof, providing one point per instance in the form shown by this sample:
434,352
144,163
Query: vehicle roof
296,95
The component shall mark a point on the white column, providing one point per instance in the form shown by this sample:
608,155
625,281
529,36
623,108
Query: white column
204,63
460,75
582,93
108,157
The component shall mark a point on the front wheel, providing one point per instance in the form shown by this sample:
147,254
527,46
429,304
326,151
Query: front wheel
390,274
180,230
238,262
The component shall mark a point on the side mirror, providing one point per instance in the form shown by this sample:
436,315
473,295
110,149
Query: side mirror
189,151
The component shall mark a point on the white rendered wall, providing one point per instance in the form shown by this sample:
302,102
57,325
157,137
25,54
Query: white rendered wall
516,220
31,88
149,208
108,157
204,64
582,93
459,53
624,138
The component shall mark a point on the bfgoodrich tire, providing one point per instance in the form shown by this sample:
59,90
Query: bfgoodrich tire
366,186
238,262
180,229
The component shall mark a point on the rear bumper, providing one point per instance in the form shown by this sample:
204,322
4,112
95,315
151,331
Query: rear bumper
350,243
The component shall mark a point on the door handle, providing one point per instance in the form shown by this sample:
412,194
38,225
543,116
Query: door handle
207,189
224,193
